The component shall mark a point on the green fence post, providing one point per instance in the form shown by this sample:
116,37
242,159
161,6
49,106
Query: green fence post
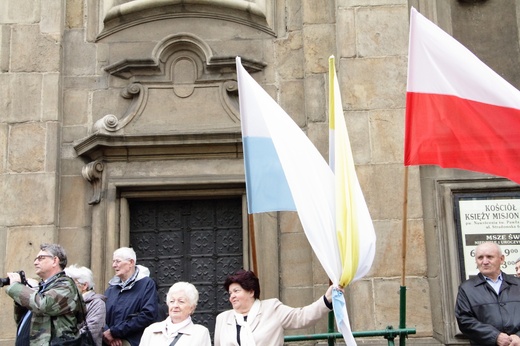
331,328
402,314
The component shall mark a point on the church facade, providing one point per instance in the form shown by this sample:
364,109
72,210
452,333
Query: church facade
120,126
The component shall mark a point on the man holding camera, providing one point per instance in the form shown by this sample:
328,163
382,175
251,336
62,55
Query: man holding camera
52,309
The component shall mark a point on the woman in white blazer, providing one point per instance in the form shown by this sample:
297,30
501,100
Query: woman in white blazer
255,322
178,329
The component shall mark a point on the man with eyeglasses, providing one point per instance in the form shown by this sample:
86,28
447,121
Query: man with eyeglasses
50,310
131,300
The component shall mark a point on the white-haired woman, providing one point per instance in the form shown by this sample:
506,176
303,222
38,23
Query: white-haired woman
178,329
96,309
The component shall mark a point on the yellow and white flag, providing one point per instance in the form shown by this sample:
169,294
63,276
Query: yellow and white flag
354,228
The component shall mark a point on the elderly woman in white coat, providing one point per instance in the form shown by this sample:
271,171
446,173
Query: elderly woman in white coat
178,329
255,322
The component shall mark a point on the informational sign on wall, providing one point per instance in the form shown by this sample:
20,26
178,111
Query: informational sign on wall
489,220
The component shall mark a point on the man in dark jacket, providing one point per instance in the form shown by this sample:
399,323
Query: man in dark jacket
131,303
488,305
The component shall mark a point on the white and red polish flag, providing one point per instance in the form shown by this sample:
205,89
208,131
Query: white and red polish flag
459,112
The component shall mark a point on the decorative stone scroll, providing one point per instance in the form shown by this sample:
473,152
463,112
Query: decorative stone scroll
93,172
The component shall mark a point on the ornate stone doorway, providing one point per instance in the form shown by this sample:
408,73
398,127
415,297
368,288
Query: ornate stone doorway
194,240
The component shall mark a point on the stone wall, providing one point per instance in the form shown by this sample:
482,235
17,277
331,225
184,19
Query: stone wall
64,65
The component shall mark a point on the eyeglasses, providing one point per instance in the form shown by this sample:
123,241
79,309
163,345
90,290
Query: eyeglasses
41,257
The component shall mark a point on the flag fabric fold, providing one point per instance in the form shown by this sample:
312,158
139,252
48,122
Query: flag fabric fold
313,187
308,177
354,228
459,112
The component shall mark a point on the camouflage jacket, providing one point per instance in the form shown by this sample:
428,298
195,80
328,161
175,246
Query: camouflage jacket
55,308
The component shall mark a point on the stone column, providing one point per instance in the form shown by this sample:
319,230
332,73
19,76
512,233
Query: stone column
30,96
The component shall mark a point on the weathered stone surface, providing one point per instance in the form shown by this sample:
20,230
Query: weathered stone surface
358,128
72,167
292,101
3,249
28,199
293,17
19,11
75,107
5,96
5,42
70,237
87,82
319,44
32,51
361,306
52,147
51,106
358,3
72,133
318,12
382,186
269,260
318,134
295,255
178,168
8,325
387,135
386,298
3,147
346,33
27,147
364,78
73,195
316,98
389,245
27,240
78,55
51,21
290,56
74,14
379,31
23,98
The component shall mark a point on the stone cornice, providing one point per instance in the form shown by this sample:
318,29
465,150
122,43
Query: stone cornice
137,12
110,147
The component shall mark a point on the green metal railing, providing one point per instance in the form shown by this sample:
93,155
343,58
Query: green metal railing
389,333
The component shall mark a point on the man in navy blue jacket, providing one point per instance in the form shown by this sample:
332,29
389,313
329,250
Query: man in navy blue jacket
131,300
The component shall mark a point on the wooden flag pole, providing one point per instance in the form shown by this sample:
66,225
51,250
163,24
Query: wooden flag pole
251,227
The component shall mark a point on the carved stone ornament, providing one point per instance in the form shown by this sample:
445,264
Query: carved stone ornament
93,172
183,90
